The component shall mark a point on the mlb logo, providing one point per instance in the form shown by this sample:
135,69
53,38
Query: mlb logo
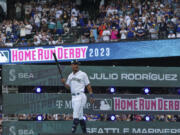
4,57
101,104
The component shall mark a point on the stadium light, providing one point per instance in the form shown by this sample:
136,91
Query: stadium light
85,118
112,90
113,117
146,91
39,118
38,89
147,118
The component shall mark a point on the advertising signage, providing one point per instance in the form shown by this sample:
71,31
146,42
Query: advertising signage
109,104
48,75
91,52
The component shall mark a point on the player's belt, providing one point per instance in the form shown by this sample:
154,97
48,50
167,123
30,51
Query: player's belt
75,94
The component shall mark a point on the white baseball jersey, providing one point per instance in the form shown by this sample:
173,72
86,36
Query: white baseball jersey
77,81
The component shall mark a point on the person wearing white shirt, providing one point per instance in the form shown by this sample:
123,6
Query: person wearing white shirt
73,21
74,12
28,9
76,82
36,42
171,35
18,7
106,35
37,19
59,12
22,30
110,10
8,28
9,43
123,33
127,20
28,29
52,41
39,8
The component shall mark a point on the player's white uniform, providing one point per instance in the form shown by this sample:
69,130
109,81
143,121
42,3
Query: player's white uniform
77,83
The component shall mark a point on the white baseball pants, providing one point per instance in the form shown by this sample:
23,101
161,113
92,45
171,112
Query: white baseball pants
78,102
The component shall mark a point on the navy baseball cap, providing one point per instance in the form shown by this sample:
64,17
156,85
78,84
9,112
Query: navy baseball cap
75,62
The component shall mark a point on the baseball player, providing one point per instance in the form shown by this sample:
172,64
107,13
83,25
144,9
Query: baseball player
76,82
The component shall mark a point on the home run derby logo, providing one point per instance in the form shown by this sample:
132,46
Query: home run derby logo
46,54
102,104
4,56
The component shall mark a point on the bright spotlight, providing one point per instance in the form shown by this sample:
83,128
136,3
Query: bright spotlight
112,90
38,90
146,91
39,118
85,118
113,118
147,118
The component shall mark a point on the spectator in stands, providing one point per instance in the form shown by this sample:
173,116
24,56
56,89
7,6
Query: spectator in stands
52,26
178,29
177,11
8,27
50,117
74,12
28,29
36,41
138,117
22,30
123,117
114,34
22,117
27,9
153,32
60,41
140,31
37,20
81,20
18,7
106,35
3,37
23,42
84,39
44,26
94,33
44,39
59,27
123,33
68,117
162,29
177,118
101,28
170,27
171,34
52,41
74,20
9,43
130,32
1,42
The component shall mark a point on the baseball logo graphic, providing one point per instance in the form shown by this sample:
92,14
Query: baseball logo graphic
4,56
102,104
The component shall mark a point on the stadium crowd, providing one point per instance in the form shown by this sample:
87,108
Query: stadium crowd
90,117
104,117
99,117
65,21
